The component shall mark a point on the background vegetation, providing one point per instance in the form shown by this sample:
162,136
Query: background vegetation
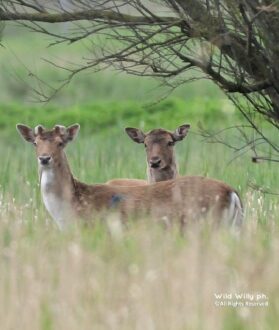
142,277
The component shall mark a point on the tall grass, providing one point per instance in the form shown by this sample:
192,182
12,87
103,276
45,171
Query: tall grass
145,277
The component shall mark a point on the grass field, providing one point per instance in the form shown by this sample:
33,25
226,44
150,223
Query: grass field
144,277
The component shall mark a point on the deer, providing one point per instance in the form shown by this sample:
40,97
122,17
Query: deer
160,155
67,199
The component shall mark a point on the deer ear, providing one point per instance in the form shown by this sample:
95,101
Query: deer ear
135,134
39,130
60,130
180,133
26,132
72,132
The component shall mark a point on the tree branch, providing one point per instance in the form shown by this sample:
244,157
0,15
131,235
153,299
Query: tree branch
227,85
89,15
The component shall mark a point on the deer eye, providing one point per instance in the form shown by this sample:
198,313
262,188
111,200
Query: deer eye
34,143
60,144
170,143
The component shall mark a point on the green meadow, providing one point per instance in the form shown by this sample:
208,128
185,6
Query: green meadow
143,276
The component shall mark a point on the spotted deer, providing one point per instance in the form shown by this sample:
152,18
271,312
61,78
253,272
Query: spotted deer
160,154
67,199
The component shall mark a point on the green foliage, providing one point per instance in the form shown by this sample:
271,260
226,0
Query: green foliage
100,115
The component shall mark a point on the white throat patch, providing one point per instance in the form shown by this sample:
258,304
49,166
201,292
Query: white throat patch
59,209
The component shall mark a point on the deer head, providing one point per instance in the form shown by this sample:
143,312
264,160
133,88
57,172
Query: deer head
49,144
159,146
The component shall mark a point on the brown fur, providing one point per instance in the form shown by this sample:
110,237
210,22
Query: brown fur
184,198
127,182
174,198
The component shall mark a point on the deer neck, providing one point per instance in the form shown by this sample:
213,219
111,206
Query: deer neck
168,173
57,188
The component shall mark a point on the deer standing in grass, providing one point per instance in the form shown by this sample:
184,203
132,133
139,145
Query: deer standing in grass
67,199
160,155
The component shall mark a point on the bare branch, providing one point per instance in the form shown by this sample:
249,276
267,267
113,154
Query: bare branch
89,15
233,43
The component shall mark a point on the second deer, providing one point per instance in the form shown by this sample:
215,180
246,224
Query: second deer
160,154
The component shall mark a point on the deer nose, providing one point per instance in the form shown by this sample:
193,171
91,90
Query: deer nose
155,162
44,160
